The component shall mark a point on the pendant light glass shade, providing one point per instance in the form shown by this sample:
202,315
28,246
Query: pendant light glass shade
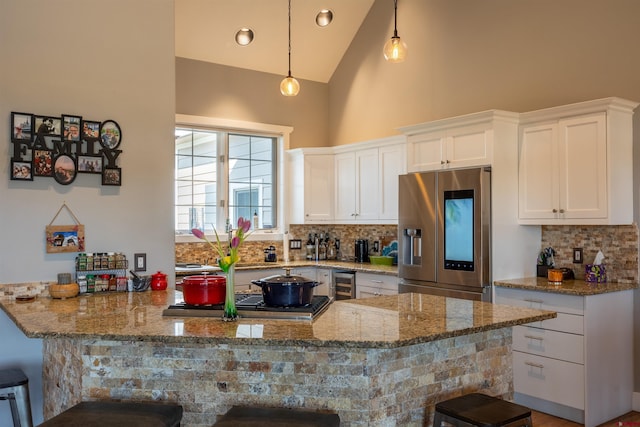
289,85
395,50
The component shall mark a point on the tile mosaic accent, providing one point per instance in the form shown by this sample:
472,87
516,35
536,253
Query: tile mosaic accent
618,243
385,387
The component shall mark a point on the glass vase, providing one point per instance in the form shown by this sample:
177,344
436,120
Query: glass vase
230,313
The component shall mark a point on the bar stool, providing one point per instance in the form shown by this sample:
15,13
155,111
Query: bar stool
242,416
14,387
480,410
118,414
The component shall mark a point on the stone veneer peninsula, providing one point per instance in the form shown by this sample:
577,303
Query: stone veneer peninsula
381,361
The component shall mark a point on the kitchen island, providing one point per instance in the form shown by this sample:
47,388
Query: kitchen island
378,361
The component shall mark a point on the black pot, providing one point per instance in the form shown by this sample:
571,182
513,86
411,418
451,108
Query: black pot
286,290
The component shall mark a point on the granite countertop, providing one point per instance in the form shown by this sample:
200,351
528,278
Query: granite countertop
334,264
380,322
571,287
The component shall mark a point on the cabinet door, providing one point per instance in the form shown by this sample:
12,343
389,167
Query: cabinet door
345,186
538,172
583,166
469,146
426,151
318,188
367,192
391,164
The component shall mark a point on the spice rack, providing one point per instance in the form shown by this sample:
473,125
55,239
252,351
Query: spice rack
101,272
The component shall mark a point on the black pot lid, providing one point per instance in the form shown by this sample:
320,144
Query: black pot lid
286,279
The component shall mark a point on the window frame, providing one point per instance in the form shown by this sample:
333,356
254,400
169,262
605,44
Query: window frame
282,134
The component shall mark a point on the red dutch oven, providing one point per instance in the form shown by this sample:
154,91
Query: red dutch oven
204,289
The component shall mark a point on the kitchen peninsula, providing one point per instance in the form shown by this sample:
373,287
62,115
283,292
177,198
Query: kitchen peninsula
379,361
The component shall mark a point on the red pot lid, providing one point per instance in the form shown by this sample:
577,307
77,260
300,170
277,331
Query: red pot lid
205,279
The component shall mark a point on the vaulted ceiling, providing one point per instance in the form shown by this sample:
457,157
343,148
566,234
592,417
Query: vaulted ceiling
205,30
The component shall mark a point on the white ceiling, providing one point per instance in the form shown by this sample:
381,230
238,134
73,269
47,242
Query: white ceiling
205,31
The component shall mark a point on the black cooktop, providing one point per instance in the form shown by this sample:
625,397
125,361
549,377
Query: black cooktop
252,306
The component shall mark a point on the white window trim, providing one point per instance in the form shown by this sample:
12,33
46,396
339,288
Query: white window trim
282,132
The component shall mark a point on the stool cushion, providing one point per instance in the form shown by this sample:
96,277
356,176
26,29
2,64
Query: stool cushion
239,416
12,378
118,414
482,410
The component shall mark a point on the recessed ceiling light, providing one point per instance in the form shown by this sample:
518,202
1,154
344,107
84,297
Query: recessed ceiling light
324,17
244,36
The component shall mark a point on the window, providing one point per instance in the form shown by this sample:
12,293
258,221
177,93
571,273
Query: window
215,161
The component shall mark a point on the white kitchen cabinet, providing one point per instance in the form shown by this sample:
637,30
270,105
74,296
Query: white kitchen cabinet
311,183
455,142
577,365
356,183
366,182
575,164
371,285
325,277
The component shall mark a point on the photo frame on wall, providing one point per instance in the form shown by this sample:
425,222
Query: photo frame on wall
65,238
112,176
90,130
61,147
42,163
64,169
21,171
71,127
110,134
90,164
47,126
21,126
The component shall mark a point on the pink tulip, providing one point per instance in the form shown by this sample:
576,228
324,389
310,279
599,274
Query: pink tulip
243,224
235,242
198,233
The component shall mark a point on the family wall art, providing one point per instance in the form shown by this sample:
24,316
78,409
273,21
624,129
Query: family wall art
62,147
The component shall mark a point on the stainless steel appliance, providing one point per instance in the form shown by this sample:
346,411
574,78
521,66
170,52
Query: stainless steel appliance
344,284
444,232
252,306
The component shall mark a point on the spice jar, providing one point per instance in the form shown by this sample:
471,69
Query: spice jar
554,276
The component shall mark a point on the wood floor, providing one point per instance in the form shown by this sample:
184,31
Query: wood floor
543,420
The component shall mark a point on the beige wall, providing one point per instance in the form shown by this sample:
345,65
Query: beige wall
212,90
103,59
469,55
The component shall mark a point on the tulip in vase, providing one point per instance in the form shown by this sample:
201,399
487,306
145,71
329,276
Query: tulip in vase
227,259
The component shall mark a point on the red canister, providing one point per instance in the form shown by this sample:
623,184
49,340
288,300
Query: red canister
158,281
204,289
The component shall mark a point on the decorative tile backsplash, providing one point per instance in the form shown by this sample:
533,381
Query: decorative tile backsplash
618,243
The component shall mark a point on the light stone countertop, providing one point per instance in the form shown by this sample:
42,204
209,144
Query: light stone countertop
380,322
571,287
364,267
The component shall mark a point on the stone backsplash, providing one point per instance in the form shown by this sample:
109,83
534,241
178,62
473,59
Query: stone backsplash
253,251
618,243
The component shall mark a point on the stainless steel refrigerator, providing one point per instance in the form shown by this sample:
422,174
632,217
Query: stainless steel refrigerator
444,233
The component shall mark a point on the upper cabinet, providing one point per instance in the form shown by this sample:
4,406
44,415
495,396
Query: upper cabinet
366,182
456,142
311,180
576,165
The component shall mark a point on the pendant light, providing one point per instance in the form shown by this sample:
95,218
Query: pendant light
289,85
395,50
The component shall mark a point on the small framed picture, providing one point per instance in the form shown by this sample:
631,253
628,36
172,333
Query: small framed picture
112,176
21,126
71,127
110,134
90,130
64,238
64,169
47,126
21,171
90,164
42,163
